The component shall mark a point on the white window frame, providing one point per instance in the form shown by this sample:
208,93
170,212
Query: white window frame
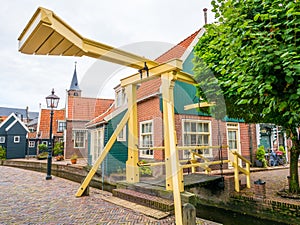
17,139
59,127
97,143
76,138
31,144
45,143
235,127
145,152
122,135
2,139
120,97
197,134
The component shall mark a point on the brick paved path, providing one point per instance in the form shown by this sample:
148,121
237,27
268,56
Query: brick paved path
27,198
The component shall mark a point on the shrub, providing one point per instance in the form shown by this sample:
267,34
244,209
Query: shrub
42,147
260,155
145,170
2,153
58,148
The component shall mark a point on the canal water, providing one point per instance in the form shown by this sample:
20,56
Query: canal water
227,217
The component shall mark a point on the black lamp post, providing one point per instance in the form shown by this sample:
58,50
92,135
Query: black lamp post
52,102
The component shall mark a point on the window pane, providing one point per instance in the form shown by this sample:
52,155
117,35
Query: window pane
205,139
193,127
205,125
199,127
187,126
193,139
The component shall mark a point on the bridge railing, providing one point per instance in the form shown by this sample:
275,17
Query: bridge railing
238,169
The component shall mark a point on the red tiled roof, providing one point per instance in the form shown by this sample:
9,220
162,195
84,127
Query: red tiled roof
82,108
178,50
2,118
101,117
152,86
44,126
32,135
149,87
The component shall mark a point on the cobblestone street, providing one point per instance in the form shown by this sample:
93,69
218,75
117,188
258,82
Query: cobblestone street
27,198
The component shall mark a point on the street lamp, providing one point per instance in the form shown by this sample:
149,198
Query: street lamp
52,102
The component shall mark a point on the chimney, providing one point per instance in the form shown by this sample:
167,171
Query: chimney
205,16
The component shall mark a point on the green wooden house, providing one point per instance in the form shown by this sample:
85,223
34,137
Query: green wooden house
13,134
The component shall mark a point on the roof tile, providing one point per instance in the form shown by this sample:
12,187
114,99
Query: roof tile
82,108
44,126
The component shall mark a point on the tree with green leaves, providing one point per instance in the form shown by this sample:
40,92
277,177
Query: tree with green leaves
252,54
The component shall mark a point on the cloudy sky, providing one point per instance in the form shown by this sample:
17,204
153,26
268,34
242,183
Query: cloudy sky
145,27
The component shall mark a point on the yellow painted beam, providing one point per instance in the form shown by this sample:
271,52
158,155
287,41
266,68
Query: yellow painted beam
105,151
132,169
174,174
236,173
248,182
199,147
185,77
204,164
173,65
151,164
199,105
241,157
47,34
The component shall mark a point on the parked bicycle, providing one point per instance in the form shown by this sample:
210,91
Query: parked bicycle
276,158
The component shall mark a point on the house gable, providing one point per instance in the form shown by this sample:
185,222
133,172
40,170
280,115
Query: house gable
16,128
10,122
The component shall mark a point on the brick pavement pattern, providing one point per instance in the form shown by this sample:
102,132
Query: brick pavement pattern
26,197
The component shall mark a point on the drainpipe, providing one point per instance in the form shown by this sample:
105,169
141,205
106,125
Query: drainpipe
250,143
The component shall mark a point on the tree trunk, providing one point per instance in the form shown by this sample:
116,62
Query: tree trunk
294,155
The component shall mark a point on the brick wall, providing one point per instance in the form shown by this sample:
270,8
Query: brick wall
69,142
150,110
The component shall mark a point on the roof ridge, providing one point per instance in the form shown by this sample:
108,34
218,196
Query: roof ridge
85,97
180,44
94,120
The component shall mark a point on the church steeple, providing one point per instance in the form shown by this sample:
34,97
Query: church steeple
74,87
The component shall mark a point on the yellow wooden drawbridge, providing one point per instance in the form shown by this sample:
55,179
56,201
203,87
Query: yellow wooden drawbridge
47,34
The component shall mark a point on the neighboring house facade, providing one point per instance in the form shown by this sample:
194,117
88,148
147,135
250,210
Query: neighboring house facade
42,134
193,128
79,111
13,134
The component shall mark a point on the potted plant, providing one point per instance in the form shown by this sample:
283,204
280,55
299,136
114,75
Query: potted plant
260,157
43,155
58,150
42,148
74,158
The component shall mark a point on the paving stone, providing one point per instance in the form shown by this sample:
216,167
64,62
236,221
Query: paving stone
27,198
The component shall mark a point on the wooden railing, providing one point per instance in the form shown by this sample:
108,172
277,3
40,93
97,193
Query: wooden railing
193,163
238,169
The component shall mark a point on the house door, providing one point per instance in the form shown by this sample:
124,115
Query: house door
233,140
97,143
